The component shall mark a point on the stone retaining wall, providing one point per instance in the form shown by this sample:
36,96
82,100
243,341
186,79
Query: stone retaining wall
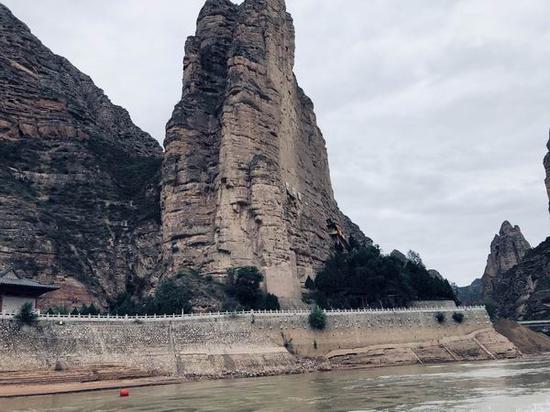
216,345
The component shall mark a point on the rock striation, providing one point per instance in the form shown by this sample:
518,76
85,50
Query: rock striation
245,178
471,294
79,195
523,292
507,249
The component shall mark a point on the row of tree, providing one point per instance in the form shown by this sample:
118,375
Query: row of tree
364,277
172,296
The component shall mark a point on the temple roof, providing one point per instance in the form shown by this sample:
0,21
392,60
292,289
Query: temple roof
9,278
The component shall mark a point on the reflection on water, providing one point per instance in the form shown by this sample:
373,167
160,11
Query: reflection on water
519,385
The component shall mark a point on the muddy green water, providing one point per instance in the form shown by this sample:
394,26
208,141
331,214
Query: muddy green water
518,385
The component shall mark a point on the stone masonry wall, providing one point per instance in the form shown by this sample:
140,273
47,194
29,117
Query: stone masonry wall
218,345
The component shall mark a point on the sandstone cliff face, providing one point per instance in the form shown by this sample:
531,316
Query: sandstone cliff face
507,250
523,292
471,294
245,175
78,180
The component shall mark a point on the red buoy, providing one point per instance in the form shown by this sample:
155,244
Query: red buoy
124,393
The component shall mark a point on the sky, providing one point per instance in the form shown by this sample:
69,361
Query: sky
435,113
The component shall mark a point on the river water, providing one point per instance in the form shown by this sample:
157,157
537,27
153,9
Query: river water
513,385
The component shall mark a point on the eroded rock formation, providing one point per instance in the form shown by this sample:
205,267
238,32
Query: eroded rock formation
471,294
78,180
524,291
507,249
245,176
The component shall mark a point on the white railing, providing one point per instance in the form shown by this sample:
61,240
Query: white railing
210,315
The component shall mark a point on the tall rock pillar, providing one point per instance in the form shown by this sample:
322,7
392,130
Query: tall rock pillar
246,179
507,250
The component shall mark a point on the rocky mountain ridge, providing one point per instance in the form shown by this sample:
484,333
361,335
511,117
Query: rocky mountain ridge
517,277
78,182
89,201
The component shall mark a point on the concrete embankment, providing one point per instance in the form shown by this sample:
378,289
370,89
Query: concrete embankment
250,344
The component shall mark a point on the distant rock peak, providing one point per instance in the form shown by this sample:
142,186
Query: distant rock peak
507,249
507,228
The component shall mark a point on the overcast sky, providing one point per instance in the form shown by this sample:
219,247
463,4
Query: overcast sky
436,113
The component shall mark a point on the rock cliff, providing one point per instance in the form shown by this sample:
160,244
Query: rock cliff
507,249
245,178
79,197
471,294
524,291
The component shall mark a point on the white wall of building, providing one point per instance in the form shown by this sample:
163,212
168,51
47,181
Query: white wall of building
12,304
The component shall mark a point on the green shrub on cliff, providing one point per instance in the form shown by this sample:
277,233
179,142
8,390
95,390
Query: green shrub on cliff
317,318
491,308
245,292
244,284
26,314
169,298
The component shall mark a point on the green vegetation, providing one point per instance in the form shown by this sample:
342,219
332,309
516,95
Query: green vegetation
491,308
440,317
287,343
171,297
458,317
317,318
58,310
26,315
244,291
364,277
271,302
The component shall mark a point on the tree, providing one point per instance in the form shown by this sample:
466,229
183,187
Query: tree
271,302
414,257
171,298
246,286
365,277
26,314
317,318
